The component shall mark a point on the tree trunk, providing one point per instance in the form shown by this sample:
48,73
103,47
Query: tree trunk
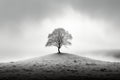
58,50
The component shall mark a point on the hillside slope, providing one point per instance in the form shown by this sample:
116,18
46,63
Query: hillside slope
59,66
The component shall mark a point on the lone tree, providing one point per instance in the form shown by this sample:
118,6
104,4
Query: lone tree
58,38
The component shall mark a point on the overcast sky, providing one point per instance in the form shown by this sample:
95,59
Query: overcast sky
25,25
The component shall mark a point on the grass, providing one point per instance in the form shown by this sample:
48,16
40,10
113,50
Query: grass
62,66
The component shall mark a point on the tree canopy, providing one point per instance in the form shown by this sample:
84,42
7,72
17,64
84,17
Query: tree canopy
58,38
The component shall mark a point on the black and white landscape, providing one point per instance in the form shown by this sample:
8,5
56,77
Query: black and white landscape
59,39
62,66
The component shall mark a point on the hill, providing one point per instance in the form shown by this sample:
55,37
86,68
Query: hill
59,67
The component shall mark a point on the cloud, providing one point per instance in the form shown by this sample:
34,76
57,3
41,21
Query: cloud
16,10
19,19
15,13
108,9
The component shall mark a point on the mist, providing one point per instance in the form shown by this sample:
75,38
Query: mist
25,25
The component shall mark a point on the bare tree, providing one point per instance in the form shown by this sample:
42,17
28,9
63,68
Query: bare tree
58,38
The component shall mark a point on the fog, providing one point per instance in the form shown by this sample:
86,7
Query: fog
25,25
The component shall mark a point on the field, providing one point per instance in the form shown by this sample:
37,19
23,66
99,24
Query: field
62,66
